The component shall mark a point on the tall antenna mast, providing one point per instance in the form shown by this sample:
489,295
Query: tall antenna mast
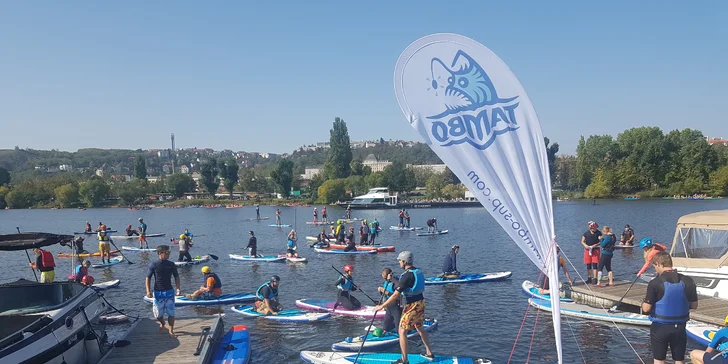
172,156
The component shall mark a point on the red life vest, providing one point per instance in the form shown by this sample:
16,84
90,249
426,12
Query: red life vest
47,259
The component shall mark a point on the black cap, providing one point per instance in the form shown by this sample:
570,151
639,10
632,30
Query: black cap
455,247
275,279
251,232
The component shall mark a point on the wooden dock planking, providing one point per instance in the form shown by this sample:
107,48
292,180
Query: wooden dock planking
710,310
147,345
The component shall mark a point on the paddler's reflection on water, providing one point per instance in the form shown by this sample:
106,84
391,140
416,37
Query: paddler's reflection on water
451,297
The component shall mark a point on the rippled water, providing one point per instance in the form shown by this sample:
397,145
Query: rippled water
475,320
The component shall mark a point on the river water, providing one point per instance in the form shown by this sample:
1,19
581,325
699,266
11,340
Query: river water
480,320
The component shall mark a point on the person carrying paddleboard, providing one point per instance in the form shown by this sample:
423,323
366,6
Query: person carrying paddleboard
406,219
163,270
315,215
291,246
130,232
394,311
650,249
590,242
142,233
104,245
345,284
450,266
267,295
185,243
670,297
606,243
278,216
210,289
324,216
432,225
88,228
718,345
45,263
412,285
363,233
252,245
627,236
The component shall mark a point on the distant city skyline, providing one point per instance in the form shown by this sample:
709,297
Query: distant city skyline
124,75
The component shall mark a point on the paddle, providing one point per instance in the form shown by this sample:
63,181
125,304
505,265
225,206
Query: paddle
213,256
368,328
117,248
28,255
614,308
355,286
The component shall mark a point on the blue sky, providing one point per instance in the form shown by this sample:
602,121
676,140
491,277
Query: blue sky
271,76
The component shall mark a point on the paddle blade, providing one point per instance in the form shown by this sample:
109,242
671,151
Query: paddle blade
213,256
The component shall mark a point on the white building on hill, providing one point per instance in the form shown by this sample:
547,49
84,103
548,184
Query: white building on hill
437,168
376,165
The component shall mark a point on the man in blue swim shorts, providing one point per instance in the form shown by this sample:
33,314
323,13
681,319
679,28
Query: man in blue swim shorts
163,270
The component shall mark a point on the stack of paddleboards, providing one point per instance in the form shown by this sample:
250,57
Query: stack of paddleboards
332,251
378,342
112,261
333,357
283,315
469,278
234,347
440,232
195,260
262,258
180,301
592,313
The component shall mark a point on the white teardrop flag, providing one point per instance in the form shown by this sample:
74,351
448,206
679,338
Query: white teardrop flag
473,112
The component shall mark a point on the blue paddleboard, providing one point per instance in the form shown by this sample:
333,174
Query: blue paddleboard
324,357
234,347
469,278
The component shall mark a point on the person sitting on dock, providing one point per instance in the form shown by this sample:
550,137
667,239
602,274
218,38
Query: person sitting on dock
267,295
130,231
394,311
627,236
450,266
606,243
432,225
718,347
650,250
211,289
291,250
346,285
669,299
88,228
590,241
252,245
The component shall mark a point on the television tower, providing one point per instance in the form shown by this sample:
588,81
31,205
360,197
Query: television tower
172,156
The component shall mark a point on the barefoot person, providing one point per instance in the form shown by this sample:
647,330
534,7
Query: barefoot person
211,289
267,294
346,285
394,311
544,289
142,234
163,270
650,249
412,285
291,247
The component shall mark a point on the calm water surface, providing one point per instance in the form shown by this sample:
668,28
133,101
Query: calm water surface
475,320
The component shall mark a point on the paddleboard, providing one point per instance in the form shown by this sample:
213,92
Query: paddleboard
265,258
180,301
591,313
315,238
119,237
195,260
328,306
404,228
262,218
281,225
328,251
531,289
112,261
293,259
84,255
441,232
373,343
316,223
107,285
469,278
379,249
617,246
333,357
700,332
113,319
135,249
283,315
234,347
94,232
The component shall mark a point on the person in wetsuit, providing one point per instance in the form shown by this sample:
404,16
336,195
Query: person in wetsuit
345,285
350,240
394,311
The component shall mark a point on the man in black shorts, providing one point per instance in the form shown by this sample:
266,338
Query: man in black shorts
669,299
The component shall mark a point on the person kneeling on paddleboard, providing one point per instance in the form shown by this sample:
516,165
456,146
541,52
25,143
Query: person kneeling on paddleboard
130,231
432,225
211,289
78,243
252,245
88,228
394,312
322,240
291,247
267,294
718,348
345,284
80,271
450,266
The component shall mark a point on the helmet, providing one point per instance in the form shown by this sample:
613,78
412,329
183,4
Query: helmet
332,226
128,225
646,243
85,263
348,268
140,219
275,279
378,332
87,280
251,232
182,236
365,221
338,222
593,225
406,257
455,247
205,269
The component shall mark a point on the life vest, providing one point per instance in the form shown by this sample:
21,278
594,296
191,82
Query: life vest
372,228
401,214
347,285
673,307
388,287
81,272
218,283
102,233
273,292
723,348
291,243
610,246
47,259
419,285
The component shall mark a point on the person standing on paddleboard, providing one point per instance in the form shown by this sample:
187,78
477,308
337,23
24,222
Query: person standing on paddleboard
718,346
45,263
315,215
450,266
407,219
324,216
345,284
400,215
412,285
394,311
252,245
606,243
211,287
590,241
257,212
278,216
627,236
670,297
104,246
348,212
88,228
267,295
163,270
372,232
650,249
363,233
340,232
185,243
432,225
142,233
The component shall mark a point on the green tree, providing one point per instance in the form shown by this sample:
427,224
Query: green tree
551,154
4,176
690,157
180,183
422,175
566,178
140,167
719,181
357,167
229,173
598,188
94,191
332,190
399,178
131,192
356,185
453,191
282,175
642,149
435,184
250,181
338,160
376,179
314,184
451,177
598,151
66,195
208,173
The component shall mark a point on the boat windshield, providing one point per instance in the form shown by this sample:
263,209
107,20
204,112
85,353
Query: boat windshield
362,201
701,243
32,298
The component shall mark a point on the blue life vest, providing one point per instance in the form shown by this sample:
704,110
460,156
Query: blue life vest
273,292
419,285
291,244
218,283
673,307
388,287
723,349
348,284
81,271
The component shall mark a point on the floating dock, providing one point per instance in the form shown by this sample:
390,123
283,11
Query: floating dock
710,310
148,345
